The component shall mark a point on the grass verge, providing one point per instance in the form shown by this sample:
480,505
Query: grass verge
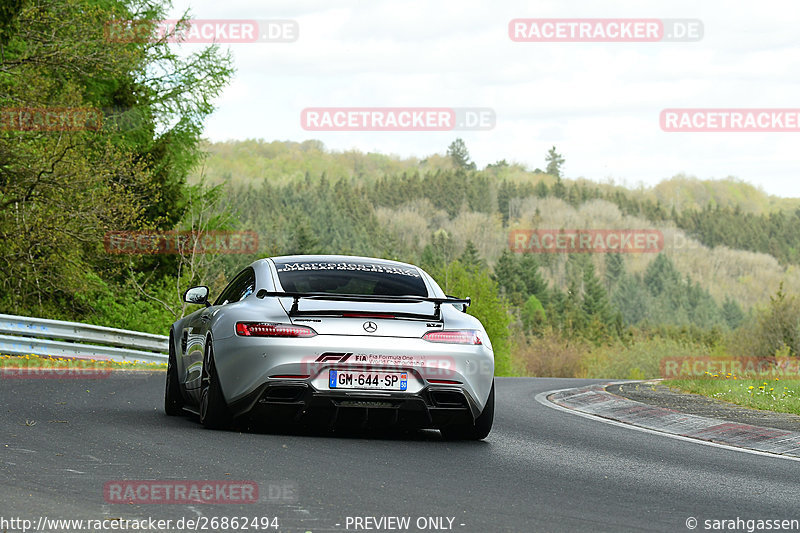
770,394
31,361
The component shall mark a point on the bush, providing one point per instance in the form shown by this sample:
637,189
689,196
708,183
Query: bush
639,359
548,354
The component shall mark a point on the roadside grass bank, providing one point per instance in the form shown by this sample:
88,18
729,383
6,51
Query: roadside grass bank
10,363
757,392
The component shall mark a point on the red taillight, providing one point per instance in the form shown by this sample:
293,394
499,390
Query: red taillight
466,336
444,382
260,329
291,376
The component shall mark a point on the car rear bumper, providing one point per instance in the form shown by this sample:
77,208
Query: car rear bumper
247,366
294,401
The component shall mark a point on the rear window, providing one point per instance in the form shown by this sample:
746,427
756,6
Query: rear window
351,277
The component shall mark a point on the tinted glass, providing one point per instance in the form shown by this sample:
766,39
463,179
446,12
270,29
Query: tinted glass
241,286
351,277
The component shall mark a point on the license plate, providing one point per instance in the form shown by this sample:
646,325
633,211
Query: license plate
342,379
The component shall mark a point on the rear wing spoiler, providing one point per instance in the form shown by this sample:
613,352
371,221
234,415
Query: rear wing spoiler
296,296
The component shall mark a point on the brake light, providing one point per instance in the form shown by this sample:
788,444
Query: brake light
261,329
465,336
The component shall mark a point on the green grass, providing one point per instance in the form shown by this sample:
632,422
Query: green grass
14,362
769,394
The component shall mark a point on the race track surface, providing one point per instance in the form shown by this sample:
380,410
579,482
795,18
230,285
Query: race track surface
540,469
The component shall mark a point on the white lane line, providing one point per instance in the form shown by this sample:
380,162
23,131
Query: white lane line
22,450
542,399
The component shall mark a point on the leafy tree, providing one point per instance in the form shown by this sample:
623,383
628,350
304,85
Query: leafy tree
61,191
498,165
778,326
533,314
487,306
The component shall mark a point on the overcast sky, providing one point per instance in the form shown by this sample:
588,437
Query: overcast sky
598,103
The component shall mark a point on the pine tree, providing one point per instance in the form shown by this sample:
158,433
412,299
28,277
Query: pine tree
439,253
615,269
458,153
535,284
554,162
595,297
507,275
732,313
304,241
471,258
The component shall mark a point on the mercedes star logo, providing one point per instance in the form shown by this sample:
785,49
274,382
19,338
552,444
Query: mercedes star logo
370,327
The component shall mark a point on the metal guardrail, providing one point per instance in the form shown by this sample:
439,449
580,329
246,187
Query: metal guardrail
21,335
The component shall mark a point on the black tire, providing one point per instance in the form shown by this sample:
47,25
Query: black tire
477,431
213,409
173,399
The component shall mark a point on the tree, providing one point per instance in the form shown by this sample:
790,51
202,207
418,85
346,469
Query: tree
533,315
615,269
62,191
458,153
554,162
487,306
439,253
304,241
508,277
595,297
535,284
732,313
631,299
471,258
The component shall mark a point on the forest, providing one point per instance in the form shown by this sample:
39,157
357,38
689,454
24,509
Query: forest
725,281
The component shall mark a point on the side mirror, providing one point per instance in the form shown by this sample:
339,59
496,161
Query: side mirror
460,307
197,295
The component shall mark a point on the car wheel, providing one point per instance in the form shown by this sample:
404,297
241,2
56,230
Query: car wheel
213,410
173,399
476,431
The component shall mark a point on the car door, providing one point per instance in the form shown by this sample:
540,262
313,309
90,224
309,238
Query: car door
196,331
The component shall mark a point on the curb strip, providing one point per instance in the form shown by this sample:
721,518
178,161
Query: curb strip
595,400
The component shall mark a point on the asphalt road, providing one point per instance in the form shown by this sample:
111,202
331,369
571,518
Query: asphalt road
540,469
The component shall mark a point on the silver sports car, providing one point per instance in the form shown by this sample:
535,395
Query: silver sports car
334,340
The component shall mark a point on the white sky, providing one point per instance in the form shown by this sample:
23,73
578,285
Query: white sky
598,103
